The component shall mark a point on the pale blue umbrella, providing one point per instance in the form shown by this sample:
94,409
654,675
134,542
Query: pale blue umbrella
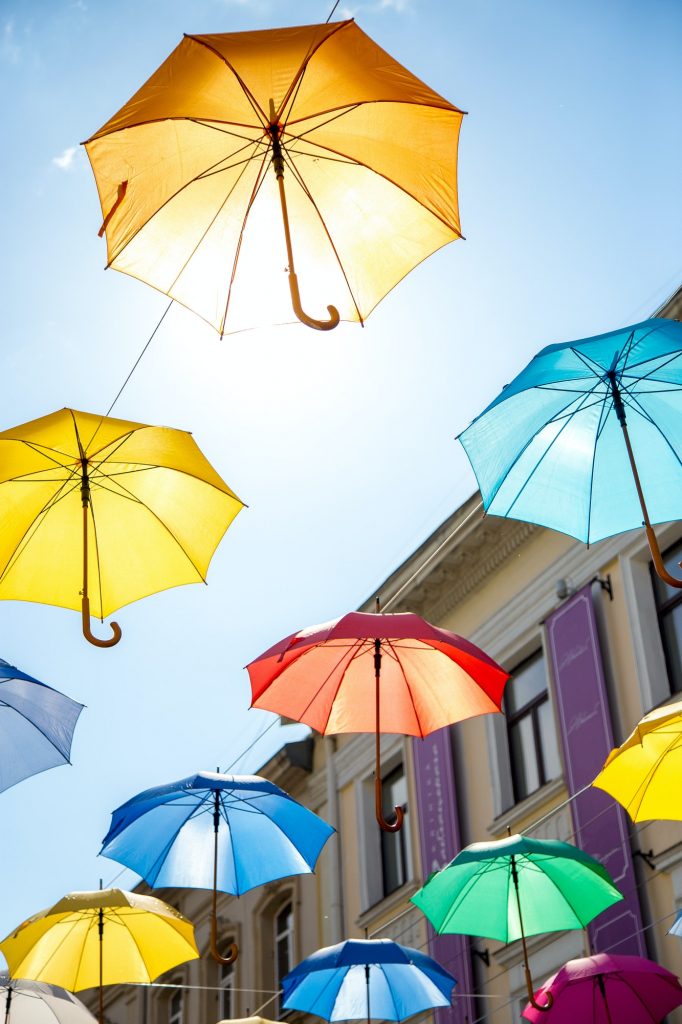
36,726
588,438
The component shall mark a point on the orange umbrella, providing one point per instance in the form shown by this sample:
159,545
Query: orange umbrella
428,676
190,205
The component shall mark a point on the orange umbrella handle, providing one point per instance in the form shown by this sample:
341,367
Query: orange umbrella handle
274,130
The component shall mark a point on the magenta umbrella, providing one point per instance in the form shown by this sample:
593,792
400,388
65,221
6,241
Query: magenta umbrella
605,989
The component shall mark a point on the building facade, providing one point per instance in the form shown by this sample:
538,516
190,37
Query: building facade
592,641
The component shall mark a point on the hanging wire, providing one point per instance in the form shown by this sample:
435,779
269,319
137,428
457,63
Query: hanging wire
329,16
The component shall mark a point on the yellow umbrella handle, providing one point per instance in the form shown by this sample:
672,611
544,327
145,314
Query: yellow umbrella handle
278,164
85,602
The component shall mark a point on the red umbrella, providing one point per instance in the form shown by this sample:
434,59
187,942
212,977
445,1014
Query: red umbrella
428,676
608,989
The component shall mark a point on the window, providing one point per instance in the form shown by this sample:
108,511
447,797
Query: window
395,846
284,942
533,748
175,1007
226,982
669,608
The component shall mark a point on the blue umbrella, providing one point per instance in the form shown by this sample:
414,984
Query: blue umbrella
164,834
36,726
367,978
588,438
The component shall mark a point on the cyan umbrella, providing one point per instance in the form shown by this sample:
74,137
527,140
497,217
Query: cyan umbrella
511,888
228,833
588,438
365,978
36,726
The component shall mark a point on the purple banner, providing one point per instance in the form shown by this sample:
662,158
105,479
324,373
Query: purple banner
439,839
600,823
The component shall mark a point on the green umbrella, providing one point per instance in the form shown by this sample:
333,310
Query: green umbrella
483,890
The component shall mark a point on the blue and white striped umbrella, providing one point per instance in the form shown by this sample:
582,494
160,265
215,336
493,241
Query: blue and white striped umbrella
367,978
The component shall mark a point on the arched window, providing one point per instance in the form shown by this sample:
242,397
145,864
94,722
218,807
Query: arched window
283,943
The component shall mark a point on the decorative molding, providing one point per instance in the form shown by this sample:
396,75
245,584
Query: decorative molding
516,814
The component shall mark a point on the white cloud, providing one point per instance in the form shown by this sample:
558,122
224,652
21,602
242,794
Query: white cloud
65,160
394,5
10,51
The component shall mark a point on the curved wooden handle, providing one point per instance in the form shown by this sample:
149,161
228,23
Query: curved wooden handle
657,559
542,1007
90,636
217,956
386,826
309,321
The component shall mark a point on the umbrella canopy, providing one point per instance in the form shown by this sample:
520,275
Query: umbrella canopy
606,989
643,772
511,888
34,1002
226,832
588,438
191,204
36,726
367,978
105,937
142,500
428,677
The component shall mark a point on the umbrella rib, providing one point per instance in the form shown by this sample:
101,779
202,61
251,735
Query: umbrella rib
297,174
257,185
409,689
160,860
247,92
600,426
161,523
41,731
34,526
132,936
646,782
582,924
295,84
488,866
568,418
170,199
636,378
637,407
622,977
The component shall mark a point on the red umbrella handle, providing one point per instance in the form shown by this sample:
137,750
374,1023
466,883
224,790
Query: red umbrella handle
386,826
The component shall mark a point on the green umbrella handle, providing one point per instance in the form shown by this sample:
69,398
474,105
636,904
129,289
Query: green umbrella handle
531,997
274,130
526,967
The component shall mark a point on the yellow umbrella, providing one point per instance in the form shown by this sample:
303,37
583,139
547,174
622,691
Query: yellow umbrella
643,773
105,937
190,205
100,511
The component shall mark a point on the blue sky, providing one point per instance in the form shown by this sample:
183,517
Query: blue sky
341,444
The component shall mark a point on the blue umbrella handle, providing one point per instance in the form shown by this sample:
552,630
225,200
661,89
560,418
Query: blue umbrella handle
234,949
215,953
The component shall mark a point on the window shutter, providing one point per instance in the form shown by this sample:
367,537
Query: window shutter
601,826
440,840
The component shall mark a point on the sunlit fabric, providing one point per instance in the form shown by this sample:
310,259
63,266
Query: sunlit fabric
324,676
36,726
605,989
643,773
370,172
560,887
166,834
334,983
34,1002
142,938
158,508
550,449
